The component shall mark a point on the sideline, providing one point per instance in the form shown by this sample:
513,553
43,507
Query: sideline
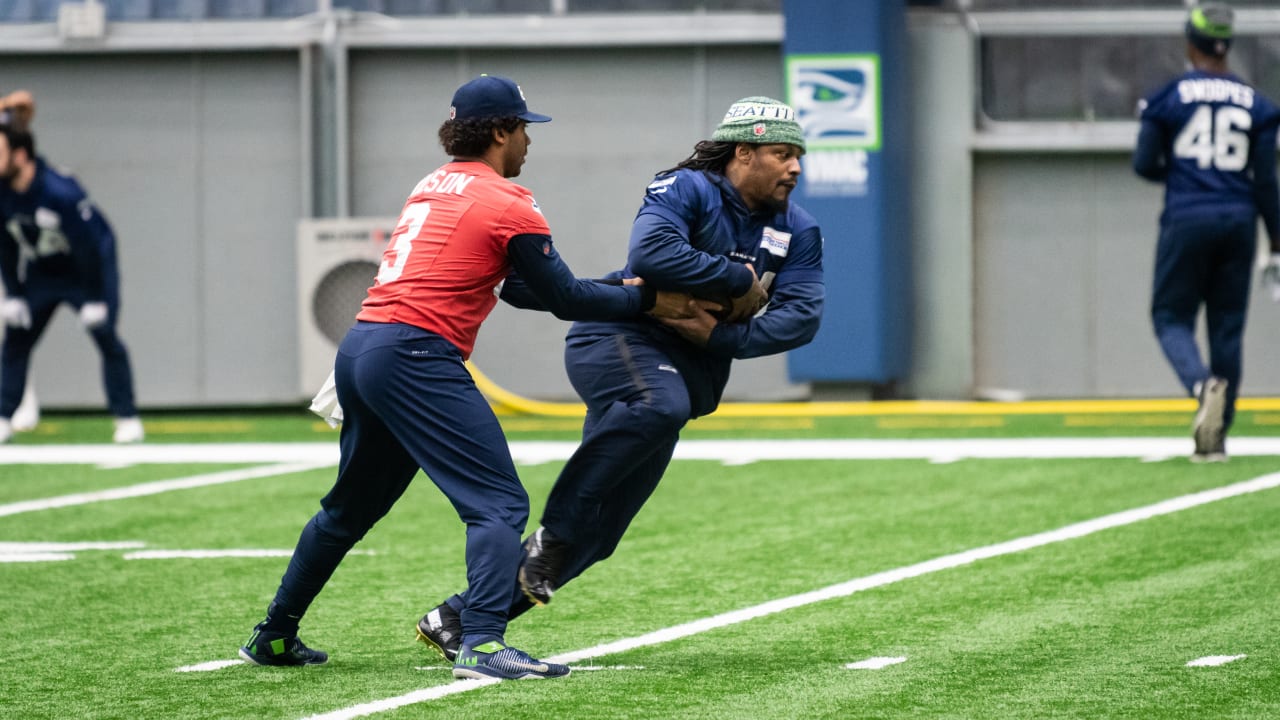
945,562
731,452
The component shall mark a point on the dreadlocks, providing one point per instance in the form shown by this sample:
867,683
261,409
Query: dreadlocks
707,155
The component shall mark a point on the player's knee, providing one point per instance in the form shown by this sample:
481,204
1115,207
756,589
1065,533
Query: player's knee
344,527
507,511
661,418
1162,318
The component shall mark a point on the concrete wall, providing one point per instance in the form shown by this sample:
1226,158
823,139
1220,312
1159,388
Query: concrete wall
195,159
199,160
1031,268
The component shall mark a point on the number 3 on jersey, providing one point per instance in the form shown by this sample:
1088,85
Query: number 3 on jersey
411,222
1214,139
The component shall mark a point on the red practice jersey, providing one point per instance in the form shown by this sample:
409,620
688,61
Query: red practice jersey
448,254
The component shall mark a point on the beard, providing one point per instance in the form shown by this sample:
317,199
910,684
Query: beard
777,205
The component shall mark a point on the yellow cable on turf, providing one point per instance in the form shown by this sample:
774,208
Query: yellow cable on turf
507,400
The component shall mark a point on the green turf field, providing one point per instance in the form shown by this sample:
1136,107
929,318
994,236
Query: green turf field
743,590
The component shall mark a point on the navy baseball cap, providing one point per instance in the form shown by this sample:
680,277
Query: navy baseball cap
490,96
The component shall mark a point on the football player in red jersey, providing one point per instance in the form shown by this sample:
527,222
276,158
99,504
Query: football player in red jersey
467,236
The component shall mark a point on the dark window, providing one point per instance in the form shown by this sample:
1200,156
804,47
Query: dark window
1100,78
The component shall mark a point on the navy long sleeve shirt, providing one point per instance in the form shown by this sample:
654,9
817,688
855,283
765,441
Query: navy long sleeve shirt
56,241
693,233
1212,140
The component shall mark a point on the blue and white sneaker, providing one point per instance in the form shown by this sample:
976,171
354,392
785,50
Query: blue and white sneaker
495,660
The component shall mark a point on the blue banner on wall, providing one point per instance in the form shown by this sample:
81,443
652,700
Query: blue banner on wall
845,76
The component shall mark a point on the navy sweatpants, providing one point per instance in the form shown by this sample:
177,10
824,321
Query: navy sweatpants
408,403
637,403
19,343
1204,260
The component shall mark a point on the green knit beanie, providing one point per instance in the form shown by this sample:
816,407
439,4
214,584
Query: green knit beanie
760,120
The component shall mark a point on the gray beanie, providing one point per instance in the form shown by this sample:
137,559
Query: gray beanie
760,120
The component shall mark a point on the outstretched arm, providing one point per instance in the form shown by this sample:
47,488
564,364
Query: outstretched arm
544,282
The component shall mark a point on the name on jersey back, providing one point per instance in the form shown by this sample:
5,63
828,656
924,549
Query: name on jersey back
441,181
1201,90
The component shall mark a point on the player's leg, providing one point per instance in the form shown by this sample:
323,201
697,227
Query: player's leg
636,462
1226,308
438,626
27,415
1181,276
15,360
373,472
639,402
117,378
430,401
616,515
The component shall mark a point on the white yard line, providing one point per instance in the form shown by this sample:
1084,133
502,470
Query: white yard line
325,453
945,562
726,451
67,547
206,667
212,554
160,486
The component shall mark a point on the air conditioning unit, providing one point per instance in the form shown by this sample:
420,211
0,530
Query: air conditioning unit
337,262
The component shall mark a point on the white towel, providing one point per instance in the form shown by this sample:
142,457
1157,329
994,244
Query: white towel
325,403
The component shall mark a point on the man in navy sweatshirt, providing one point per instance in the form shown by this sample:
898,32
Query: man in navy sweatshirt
1210,137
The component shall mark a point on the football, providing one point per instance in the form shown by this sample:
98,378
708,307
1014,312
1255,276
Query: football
719,308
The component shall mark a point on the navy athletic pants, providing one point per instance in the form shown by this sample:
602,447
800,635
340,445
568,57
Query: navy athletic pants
637,403
409,402
15,355
1204,260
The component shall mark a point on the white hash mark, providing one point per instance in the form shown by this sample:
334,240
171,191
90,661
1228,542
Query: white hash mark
207,666
1215,660
875,663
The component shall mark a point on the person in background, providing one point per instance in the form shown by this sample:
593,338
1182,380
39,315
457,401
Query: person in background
56,248
19,108
1210,137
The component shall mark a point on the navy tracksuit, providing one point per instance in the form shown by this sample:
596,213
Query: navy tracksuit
1212,140
642,382
58,248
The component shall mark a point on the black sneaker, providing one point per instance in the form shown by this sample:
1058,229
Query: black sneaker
1208,426
268,649
495,660
441,630
544,558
